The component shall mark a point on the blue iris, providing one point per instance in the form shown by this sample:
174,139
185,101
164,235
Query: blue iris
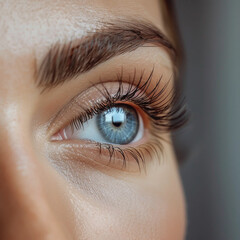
119,124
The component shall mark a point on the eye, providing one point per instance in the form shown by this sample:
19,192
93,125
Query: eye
120,124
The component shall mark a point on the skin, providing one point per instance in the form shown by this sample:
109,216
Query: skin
45,195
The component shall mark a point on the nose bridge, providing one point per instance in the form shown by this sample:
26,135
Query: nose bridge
24,211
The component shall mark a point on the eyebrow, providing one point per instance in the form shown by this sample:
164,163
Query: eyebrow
65,61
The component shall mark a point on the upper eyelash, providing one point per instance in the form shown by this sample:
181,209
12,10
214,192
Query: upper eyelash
165,115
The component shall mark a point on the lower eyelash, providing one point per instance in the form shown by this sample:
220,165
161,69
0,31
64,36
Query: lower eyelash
137,154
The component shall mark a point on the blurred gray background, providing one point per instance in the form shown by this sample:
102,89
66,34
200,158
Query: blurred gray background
210,144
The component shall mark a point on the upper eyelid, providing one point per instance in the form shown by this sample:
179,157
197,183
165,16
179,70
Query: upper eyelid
63,62
74,100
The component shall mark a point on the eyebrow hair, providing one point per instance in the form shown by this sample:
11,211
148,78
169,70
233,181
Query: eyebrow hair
66,61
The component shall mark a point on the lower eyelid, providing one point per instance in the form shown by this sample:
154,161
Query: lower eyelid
107,157
96,155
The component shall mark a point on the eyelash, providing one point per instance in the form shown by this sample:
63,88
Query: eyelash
166,111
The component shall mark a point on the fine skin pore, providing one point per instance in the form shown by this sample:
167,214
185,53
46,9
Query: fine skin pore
55,190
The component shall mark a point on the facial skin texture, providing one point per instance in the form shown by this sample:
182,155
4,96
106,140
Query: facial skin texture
43,193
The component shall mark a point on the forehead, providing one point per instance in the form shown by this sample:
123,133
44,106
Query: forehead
31,25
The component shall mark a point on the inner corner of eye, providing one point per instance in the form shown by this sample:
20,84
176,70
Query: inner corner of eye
60,135
121,124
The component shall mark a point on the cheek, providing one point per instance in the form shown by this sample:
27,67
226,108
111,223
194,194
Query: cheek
145,208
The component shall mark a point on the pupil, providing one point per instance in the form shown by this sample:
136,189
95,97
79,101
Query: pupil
118,118
116,123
